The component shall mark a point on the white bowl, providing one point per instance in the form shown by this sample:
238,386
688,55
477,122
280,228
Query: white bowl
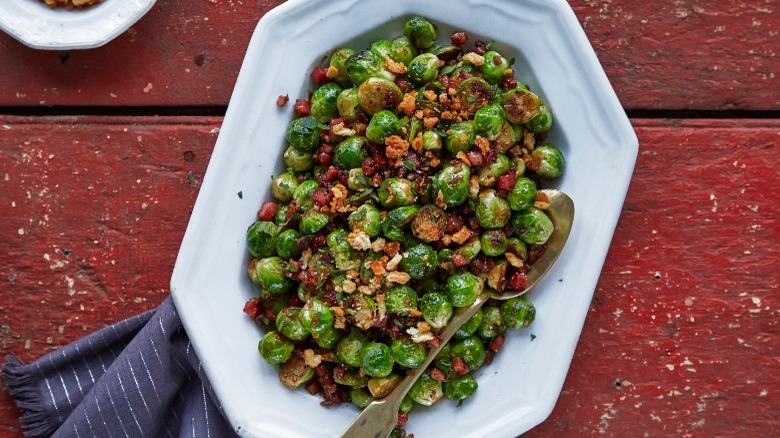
38,26
210,285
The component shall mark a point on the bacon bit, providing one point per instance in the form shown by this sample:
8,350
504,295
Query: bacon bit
430,95
516,281
302,108
542,201
535,251
491,155
489,354
282,100
321,197
392,248
319,75
475,158
459,260
252,308
482,265
417,143
437,375
483,145
506,181
403,418
459,38
435,342
296,302
313,387
395,66
267,211
396,147
430,122
474,58
496,343
339,371
408,105
509,82
459,366
403,83
454,224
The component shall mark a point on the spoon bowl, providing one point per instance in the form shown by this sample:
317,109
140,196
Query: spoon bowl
379,418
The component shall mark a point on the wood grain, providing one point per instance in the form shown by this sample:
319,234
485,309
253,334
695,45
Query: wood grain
682,334
658,55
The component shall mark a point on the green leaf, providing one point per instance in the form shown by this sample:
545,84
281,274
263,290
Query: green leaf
240,195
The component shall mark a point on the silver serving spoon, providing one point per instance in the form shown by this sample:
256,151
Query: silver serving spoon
379,418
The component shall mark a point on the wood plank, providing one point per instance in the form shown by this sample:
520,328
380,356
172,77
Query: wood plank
684,317
658,55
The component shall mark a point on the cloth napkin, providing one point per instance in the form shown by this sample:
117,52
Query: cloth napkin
137,378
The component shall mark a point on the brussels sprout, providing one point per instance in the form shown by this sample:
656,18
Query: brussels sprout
460,388
492,323
460,137
365,64
419,261
429,223
274,348
297,160
444,52
338,61
316,317
261,239
304,133
470,350
521,105
269,274
357,181
492,212
518,312
382,125
306,291
351,377
493,242
550,160
302,194
451,184
366,218
510,135
286,244
406,405
401,300
489,120
280,219
313,221
474,93
348,104
426,391
407,353
360,397
283,186
377,94
420,32
542,122
517,247
288,324
295,372
463,288
489,174
470,326
396,192
423,68
523,195
323,102
494,67
431,141
346,257
532,226
362,308
348,348
350,153
470,249
381,387
436,309
329,338
396,220
376,360
381,48
402,50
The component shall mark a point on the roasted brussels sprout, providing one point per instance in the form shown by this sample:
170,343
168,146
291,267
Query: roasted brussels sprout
550,161
283,186
436,309
376,359
338,61
274,348
261,238
495,67
382,125
463,288
420,32
378,94
304,133
323,102
518,312
350,153
532,226
407,353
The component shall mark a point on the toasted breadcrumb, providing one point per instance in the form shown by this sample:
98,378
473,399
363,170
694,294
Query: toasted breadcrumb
474,58
395,66
379,244
462,235
339,196
407,105
430,122
392,248
420,334
483,144
430,95
393,263
398,277
359,240
312,360
340,321
417,143
396,147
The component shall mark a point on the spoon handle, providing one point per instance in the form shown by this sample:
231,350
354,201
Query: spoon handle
379,418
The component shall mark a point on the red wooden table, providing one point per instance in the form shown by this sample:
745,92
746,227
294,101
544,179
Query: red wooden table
102,153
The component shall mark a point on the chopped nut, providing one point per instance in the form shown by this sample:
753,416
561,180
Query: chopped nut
420,334
483,144
340,321
379,244
359,240
395,66
474,58
393,263
398,277
312,360
430,95
462,156
462,235
392,248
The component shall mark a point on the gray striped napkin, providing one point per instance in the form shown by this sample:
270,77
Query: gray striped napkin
137,378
